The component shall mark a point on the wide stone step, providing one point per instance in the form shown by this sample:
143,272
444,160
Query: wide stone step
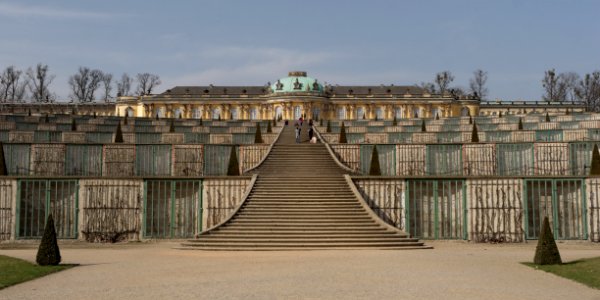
301,244
296,226
292,231
348,239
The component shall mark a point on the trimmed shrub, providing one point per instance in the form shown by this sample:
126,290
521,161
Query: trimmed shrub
546,252
343,139
437,116
547,118
364,116
172,126
29,112
258,135
95,115
269,128
3,168
423,127
474,134
73,125
395,122
500,115
328,126
48,253
219,117
595,167
520,124
119,134
157,116
47,119
567,112
233,169
375,170
181,115
470,120
200,123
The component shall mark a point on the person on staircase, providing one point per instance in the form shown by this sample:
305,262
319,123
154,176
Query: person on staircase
298,130
310,133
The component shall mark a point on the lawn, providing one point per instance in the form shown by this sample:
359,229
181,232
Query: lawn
13,271
586,271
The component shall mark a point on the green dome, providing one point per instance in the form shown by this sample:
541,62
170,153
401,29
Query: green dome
296,82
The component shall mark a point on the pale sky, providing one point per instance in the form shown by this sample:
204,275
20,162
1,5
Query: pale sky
339,42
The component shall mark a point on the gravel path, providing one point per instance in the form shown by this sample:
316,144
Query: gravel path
453,270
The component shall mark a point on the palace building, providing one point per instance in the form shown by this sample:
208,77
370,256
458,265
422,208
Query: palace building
294,96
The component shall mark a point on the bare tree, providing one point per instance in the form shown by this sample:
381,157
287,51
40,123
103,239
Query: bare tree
567,84
427,86
12,86
443,80
107,85
477,84
550,84
124,85
84,84
39,81
146,83
587,91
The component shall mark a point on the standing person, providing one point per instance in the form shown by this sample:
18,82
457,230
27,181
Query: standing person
300,121
297,133
310,133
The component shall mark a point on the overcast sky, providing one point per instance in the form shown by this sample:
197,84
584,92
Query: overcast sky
338,42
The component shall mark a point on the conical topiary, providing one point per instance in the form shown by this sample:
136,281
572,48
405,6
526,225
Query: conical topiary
233,169
376,118
125,119
500,115
219,117
547,118
470,120
395,122
29,112
269,128
181,115
73,125
343,135
274,122
474,134
595,166
364,116
423,128
47,119
48,253
437,116
546,252
200,123
567,112
94,115
375,170
258,135
172,126
317,118
119,134
328,126
3,168
520,124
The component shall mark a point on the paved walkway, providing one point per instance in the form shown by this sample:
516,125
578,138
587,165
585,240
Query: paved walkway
156,271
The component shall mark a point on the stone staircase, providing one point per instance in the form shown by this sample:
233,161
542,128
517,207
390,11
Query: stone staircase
302,201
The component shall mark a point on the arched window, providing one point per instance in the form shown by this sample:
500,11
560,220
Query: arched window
398,113
234,114
278,112
341,113
129,112
216,113
316,112
464,112
197,113
416,112
160,112
178,112
253,113
360,113
379,113
297,112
